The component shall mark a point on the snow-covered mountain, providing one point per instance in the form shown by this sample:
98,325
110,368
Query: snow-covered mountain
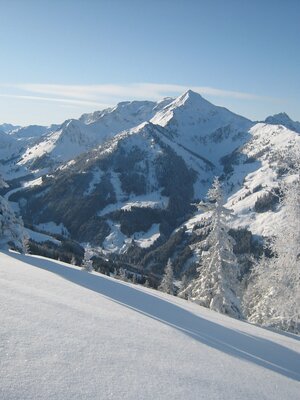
60,145
68,334
285,120
9,148
6,128
254,174
131,192
132,187
74,137
201,127
127,114
17,140
31,132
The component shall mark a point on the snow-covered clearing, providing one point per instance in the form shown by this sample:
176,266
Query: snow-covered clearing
146,239
52,227
149,200
41,237
117,242
34,182
67,334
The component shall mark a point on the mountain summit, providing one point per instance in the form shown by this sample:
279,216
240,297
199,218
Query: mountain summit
197,125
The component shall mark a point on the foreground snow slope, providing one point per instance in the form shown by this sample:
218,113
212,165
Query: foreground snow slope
67,334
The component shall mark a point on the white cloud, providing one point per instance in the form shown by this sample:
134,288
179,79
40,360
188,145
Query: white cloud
107,95
56,100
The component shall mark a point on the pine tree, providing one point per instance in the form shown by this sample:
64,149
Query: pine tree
217,283
25,241
12,234
123,274
185,288
273,294
256,304
87,263
167,285
147,283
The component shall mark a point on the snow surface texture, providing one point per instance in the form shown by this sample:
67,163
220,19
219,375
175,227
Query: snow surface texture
68,334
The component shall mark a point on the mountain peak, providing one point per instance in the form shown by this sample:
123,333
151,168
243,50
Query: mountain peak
196,124
191,95
192,100
283,119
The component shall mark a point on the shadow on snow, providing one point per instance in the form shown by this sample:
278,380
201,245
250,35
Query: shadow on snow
262,352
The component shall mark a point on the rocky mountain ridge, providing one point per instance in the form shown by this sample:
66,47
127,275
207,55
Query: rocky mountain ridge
124,179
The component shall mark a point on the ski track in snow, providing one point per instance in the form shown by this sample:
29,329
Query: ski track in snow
67,334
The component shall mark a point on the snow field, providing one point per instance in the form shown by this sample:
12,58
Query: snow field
67,334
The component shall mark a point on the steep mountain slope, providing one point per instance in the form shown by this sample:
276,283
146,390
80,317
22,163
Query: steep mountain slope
256,202
14,142
67,334
132,193
253,182
76,136
125,187
252,177
9,147
203,128
65,143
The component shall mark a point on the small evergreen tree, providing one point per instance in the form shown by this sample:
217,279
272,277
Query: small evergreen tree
123,274
87,263
216,286
273,294
185,288
167,285
147,283
25,242
12,233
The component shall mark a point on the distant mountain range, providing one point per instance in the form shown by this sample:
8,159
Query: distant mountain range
124,179
285,120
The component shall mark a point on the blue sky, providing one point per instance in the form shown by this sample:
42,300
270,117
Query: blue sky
62,58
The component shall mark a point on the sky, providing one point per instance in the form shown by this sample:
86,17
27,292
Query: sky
62,58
